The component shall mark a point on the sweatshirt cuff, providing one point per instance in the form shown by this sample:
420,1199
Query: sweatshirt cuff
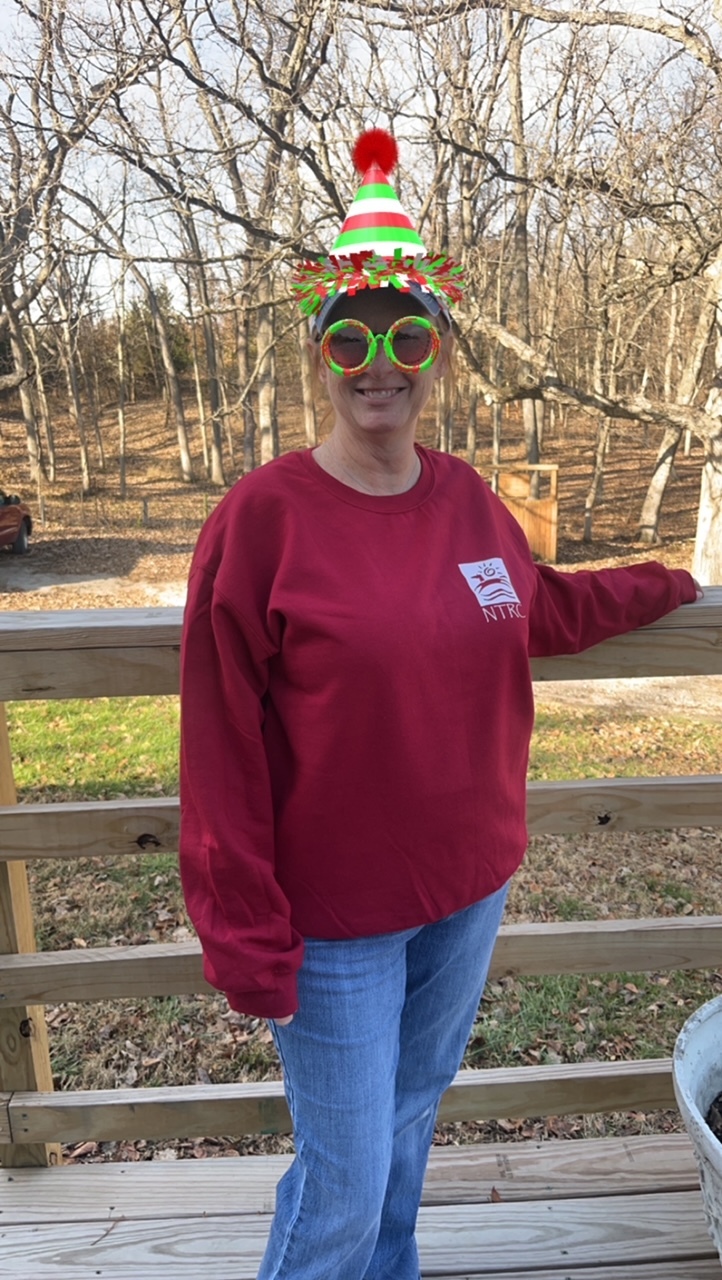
280,1003
688,585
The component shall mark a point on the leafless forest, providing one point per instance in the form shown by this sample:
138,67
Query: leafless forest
163,166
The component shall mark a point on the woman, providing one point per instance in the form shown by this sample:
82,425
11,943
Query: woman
357,708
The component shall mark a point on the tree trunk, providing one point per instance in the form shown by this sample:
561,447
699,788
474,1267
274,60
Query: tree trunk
45,419
172,384
67,358
472,433
22,366
209,337
122,359
249,418
21,362
652,506
309,407
197,382
226,416
594,493
707,559
92,406
266,382
514,32
444,418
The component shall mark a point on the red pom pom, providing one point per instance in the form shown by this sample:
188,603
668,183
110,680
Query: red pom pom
375,147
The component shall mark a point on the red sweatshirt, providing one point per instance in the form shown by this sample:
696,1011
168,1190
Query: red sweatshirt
357,708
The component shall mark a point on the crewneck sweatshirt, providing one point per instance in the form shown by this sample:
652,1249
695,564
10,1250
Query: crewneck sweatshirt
357,707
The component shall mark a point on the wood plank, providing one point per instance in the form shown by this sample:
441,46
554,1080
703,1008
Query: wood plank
603,805
688,651
175,968
688,1269
260,1107
111,628
24,1048
469,1240
5,1133
609,946
103,973
26,629
88,673
134,672
106,652
566,1089
517,1171
115,828
89,828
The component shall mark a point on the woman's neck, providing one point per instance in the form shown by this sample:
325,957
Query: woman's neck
369,470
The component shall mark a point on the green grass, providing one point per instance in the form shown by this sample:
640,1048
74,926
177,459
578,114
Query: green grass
590,744
571,1018
99,750
129,746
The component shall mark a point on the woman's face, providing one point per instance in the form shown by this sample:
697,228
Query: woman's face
382,401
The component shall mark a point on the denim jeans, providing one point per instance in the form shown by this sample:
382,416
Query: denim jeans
380,1032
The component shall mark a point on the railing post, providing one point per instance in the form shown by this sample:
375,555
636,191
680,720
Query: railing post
24,1049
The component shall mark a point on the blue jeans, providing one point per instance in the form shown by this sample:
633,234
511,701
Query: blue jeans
380,1032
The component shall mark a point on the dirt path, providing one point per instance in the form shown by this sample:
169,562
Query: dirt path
692,697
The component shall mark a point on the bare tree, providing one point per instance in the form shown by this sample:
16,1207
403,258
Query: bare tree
66,66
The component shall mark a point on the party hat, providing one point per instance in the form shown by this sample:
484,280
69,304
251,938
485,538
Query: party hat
376,222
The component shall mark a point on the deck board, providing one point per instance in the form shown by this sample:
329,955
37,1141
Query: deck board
456,1175
600,1209
474,1240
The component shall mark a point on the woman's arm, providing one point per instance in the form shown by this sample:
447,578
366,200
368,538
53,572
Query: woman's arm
251,952
572,611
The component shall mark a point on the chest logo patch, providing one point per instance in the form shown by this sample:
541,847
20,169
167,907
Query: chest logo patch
490,582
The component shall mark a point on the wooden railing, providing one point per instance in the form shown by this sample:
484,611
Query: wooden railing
135,652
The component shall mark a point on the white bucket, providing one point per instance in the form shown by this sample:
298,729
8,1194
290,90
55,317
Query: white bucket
697,1070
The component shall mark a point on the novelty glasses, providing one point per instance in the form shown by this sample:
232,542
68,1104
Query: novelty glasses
411,344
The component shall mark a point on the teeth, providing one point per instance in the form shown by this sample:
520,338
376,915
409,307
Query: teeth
380,395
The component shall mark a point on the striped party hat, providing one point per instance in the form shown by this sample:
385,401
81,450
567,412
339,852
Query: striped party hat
376,223
377,245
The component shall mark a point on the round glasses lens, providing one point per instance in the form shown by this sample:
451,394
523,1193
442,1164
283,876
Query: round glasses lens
412,344
348,347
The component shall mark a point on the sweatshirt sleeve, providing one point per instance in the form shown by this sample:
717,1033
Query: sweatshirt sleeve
250,950
573,611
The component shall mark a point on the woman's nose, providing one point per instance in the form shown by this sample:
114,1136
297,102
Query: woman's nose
381,362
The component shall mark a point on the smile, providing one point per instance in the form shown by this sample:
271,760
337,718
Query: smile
385,393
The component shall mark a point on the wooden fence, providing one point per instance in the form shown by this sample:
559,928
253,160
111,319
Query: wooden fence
135,652
537,515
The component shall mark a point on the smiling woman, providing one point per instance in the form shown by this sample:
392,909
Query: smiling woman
356,712
376,410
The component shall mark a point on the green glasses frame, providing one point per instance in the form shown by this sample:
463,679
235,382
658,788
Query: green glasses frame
373,340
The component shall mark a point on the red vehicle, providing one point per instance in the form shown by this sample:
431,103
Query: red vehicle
16,524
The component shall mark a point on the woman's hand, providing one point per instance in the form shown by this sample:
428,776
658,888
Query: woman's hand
700,589
283,1022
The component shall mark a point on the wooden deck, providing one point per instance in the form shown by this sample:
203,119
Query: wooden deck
605,1209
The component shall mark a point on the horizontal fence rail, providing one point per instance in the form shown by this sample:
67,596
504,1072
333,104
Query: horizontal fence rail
522,950
105,1115
115,828
135,652
115,652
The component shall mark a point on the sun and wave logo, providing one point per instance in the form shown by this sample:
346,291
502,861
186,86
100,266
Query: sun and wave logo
491,585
